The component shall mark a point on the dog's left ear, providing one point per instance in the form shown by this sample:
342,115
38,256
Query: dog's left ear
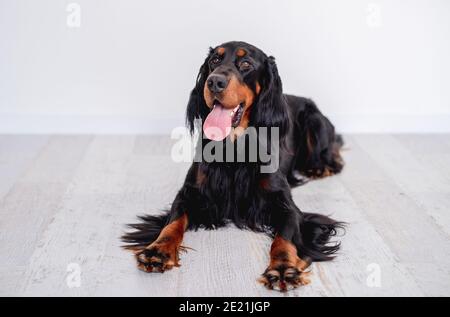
197,108
270,109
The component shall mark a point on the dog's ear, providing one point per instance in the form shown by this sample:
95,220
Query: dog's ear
197,108
270,109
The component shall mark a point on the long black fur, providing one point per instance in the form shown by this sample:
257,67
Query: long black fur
233,192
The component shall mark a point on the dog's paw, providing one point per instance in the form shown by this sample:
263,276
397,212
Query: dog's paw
157,258
284,277
317,173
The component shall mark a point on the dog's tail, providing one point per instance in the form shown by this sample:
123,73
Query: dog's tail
316,232
145,232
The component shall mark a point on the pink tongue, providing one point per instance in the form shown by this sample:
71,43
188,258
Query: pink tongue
217,125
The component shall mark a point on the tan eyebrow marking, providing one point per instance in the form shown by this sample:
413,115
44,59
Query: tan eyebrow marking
241,52
221,50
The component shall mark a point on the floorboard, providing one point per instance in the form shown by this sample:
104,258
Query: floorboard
65,200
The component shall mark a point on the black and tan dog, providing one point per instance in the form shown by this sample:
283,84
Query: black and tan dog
238,87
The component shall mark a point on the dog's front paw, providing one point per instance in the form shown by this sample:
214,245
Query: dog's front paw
284,277
157,258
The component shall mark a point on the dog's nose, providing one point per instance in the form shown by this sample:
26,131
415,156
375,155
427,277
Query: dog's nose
217,83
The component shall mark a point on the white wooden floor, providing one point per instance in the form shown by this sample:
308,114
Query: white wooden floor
64,201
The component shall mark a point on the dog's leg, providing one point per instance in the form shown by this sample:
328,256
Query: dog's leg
156,241
162,254
300,239
322,148
318,153
286,269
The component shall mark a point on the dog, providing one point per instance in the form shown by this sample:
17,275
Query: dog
238,88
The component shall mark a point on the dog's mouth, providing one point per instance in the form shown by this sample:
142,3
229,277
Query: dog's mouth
221,120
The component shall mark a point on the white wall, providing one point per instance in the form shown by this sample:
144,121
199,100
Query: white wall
372,66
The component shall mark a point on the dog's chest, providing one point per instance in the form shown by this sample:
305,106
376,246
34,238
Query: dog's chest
227,183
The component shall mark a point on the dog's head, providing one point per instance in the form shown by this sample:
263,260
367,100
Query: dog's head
238,86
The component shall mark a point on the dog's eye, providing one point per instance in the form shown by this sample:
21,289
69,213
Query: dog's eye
215,60
245,65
